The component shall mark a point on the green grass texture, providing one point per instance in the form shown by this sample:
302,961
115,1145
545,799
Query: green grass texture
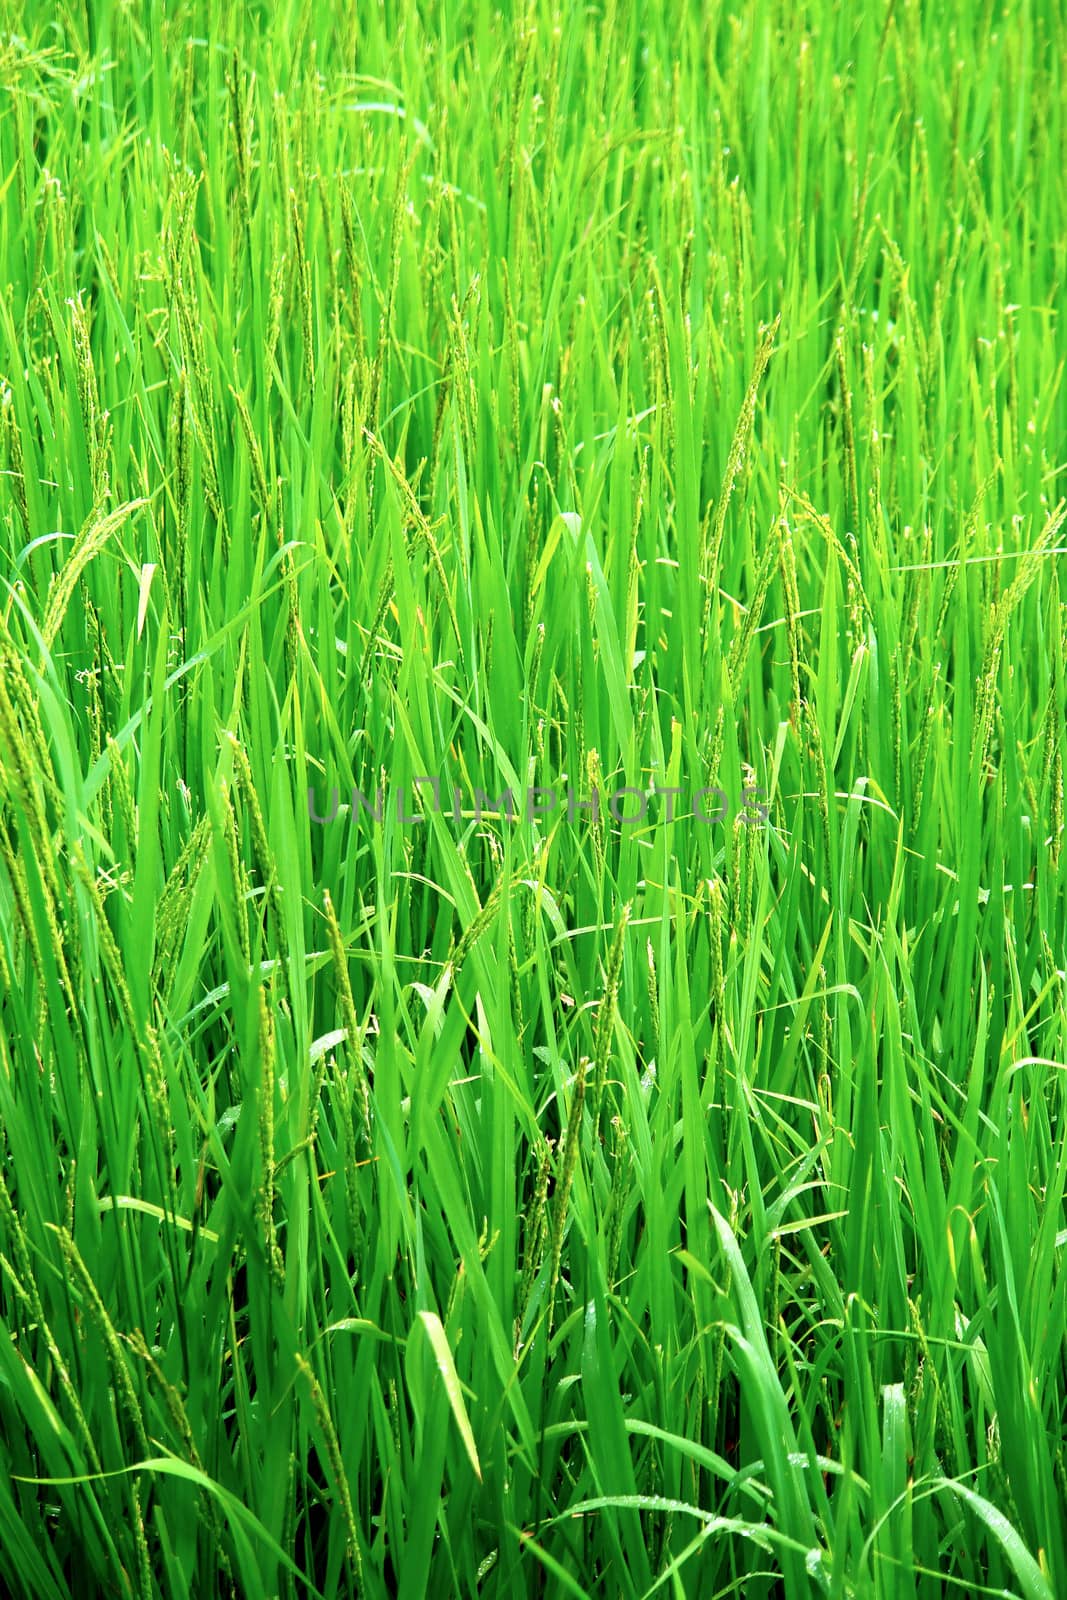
533,1029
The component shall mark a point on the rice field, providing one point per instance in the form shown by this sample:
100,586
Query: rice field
533,944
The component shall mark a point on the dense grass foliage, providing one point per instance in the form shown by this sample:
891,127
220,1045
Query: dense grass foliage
441,1201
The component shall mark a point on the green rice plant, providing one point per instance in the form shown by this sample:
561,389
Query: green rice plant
532,538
